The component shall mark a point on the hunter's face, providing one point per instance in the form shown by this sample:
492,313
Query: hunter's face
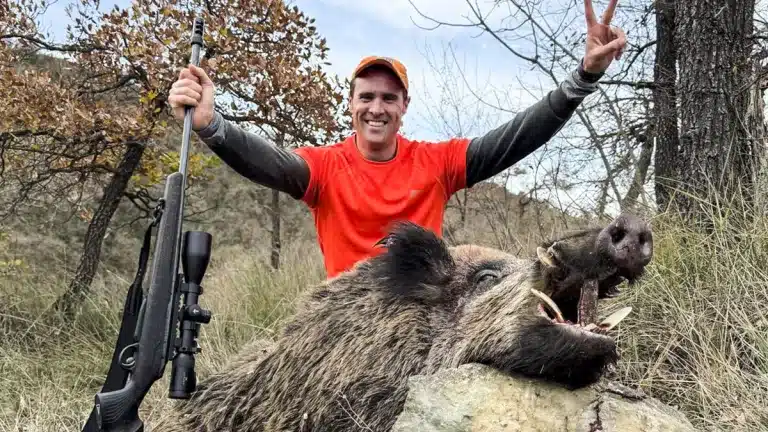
378,105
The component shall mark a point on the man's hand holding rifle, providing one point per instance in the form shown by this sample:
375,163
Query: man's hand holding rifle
157,329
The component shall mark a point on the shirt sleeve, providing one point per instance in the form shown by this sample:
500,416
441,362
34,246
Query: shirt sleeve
453,163
255,158
314,160
504,146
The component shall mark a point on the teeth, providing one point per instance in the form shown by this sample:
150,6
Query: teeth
375,122
548,301
615,318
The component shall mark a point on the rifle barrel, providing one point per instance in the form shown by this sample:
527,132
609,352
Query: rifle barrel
197,43
117,410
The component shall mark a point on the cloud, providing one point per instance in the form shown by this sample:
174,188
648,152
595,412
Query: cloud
402,14
54,21
355,29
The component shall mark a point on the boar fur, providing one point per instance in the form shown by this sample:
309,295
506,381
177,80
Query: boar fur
343,360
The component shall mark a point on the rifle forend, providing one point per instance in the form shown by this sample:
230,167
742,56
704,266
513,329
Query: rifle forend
154,337
156,326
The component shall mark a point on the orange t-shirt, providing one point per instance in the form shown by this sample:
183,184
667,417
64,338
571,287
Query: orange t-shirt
354,200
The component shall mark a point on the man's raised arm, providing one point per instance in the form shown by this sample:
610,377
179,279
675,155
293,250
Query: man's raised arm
502,147
506,145
255,158
250,155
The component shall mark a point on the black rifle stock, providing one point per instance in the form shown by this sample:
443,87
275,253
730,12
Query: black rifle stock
151,331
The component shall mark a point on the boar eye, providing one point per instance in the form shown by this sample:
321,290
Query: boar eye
486,275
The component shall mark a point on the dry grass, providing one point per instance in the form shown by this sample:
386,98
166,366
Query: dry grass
50,372
697,338
698,334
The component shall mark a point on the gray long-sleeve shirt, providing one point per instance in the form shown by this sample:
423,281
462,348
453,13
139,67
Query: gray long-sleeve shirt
257,159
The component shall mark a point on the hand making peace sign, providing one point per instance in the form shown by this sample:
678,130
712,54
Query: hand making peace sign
604,43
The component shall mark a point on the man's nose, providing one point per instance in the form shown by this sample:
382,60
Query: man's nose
376,106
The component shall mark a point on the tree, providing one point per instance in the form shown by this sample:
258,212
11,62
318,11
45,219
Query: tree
689,87
274,210
267,59
603,154
70,129
665,103
452,111
721,118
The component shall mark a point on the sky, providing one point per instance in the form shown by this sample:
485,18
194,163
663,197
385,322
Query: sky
397,28
356,28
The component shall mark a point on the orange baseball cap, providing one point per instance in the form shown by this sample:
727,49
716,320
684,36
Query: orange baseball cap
393,64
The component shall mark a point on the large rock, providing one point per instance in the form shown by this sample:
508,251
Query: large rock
478,398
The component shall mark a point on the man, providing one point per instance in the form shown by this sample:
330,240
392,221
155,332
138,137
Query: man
356,188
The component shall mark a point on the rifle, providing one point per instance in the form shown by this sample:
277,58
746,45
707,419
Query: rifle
160,330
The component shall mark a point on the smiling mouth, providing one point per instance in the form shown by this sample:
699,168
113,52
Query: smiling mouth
376,123
587,321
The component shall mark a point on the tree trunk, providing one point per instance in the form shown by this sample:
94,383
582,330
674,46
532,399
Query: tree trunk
275,211
275,215
717,147
602,199
94,236
664,126
641,172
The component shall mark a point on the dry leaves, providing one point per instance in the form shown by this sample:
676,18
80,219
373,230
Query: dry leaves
71,117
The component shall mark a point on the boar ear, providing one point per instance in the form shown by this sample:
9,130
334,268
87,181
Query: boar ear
546,257
416,265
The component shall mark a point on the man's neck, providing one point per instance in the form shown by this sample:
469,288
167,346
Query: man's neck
376,153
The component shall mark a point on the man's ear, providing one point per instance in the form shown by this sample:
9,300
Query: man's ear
405,104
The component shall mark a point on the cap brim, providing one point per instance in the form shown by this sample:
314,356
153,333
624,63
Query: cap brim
380,62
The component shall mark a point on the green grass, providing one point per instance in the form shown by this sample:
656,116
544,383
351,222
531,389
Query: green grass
697,337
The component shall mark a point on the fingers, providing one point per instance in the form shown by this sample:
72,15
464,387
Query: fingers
189,88
620,38
200,74
196,74
185,92
187,74
608,14
589,12
182,100
187,83
614,48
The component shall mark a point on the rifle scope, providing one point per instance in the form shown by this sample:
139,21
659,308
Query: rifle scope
195,256
163,327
